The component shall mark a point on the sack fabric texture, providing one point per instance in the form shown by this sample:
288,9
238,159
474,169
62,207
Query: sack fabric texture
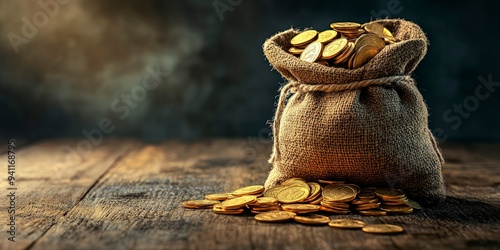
367,126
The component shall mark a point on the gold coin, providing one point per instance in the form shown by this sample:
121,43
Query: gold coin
369,39
335,204
255,189
217,197
389,41
264,201
327,36
379,30
397,209
351,60
274,216
293,179
345,26
382,228
352,33
315,191
273,191
312,52
304,38
413,204
328,182
332,210
339,193
354,186
239,202
296,182
342,223
315,188
317,200
300,208
364,201
292,194
199,203
389,193
268,208
220,210
363,55
394,202
231,196
372,212
334,48
342,58
313,219
295,50
369,206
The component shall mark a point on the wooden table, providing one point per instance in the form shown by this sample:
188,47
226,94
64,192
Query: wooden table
124,194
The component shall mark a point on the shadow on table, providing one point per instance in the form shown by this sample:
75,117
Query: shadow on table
464,210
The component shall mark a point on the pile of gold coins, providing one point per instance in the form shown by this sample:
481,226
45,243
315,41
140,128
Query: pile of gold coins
300,201
348,45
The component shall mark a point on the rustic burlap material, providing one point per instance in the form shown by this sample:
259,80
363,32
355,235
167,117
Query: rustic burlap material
366,126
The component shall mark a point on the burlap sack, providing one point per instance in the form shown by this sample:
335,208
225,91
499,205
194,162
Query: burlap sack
366,126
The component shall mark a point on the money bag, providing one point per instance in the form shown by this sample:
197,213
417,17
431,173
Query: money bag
367,126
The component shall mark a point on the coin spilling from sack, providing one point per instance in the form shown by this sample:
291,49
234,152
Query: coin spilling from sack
347,44
300,201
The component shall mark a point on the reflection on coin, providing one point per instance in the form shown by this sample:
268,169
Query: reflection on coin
273,191
334,48
339,193
292,194
296,182
369,39
327,182
274,216
313,219
345,25
382,228
295,51
217,197
364,54
300,208
332,210
379,30
199,203
218,209
304,38
387,192
239,202
342,223
255,189
327,36
312,52
263,201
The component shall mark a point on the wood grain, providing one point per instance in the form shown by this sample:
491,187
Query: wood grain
135,203
50,182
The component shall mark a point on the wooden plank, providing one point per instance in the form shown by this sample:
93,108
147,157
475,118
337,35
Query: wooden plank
136,205
50,180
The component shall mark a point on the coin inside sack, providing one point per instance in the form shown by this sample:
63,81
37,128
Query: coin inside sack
347,44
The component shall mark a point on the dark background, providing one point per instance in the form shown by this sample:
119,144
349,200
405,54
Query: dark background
64,79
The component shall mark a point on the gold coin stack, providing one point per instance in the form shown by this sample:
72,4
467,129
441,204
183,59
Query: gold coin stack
367,203
264,204
349,45
394,201
336,198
